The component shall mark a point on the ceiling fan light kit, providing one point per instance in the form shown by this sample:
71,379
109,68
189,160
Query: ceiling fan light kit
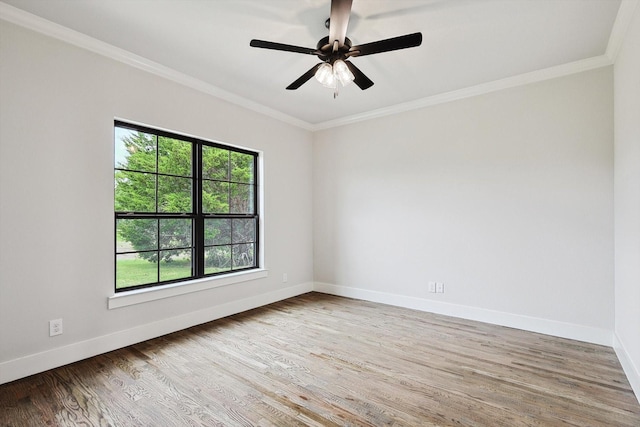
335,50
330,74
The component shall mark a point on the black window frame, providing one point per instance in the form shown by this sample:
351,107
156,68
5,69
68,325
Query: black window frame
197,215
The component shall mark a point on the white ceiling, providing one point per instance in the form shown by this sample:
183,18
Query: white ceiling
465,43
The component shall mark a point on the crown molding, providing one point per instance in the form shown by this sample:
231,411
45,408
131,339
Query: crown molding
620,27
41,25
35,23
496,85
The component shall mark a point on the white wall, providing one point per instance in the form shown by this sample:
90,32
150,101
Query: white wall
627,203
57,106
507,198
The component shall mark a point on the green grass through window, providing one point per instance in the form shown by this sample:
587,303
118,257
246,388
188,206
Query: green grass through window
133,272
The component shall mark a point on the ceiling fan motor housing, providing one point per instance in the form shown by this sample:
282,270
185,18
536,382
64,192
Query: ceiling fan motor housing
327,53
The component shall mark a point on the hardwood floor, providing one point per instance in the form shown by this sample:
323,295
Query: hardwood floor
327,361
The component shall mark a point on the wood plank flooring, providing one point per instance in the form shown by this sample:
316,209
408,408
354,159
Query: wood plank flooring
321,360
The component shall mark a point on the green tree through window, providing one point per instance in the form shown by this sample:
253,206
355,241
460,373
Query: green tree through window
184,208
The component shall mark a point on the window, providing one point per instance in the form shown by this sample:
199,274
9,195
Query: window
184,208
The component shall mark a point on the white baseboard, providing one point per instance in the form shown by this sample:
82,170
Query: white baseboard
527,323
32,364
630,369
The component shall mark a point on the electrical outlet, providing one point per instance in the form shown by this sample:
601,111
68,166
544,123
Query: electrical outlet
432,287
284,277
55,327
440,287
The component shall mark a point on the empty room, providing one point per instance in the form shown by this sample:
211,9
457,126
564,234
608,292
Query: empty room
320,212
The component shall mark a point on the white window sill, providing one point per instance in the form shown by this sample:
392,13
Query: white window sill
138,296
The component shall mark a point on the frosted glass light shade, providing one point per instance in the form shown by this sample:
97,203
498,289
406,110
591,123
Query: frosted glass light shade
342,72
325,75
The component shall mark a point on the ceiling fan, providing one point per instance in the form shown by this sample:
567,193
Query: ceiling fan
336,49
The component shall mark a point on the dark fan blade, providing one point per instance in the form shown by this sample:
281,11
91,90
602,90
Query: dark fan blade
395,43
303,78
339,20
286,47
361,80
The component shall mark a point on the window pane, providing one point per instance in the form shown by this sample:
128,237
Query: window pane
215,197
217,231
133,270
174,156
217,259
136,235
244,230
241,200
174,194
135,192
175,233
135,150
175,265
215,163
242,256
241,167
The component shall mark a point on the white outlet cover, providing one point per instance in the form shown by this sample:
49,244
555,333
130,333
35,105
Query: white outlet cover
55,327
